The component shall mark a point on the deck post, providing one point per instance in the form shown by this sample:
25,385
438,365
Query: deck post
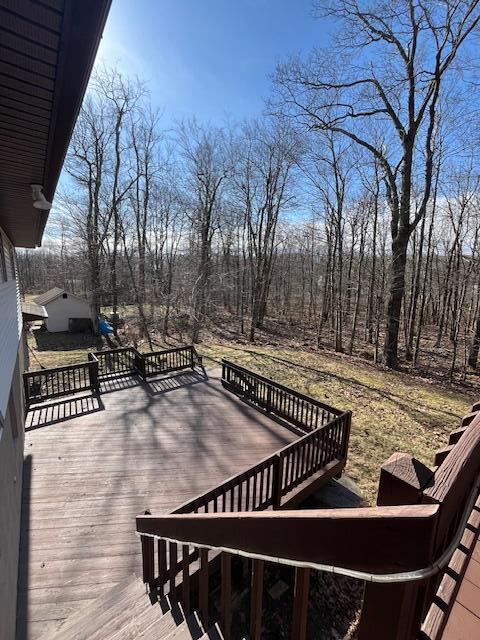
148,559
300,604
26,390
394,611
93,372
140,364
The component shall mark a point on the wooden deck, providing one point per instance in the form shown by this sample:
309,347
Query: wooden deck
92,465
463,621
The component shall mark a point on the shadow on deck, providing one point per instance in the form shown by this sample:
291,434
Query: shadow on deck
102,461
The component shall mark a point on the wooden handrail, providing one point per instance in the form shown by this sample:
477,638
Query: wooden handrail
278,385
379,540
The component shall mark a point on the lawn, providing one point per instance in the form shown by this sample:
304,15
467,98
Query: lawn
56,349
391,411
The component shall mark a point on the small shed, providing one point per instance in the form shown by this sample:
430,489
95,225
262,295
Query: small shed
64,310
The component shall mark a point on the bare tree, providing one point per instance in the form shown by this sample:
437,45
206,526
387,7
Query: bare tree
207,165
380,88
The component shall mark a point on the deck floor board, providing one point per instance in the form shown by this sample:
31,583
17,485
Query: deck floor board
91,466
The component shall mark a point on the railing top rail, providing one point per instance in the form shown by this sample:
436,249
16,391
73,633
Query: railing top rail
103,352
67,367
278,385
227,484
263,463
311,434
162,352
408,530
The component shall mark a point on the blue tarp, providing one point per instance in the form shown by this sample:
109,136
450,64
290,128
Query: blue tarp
104,326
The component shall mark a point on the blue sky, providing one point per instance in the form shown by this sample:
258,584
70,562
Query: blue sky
208,58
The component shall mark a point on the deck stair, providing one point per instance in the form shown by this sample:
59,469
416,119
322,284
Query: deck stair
127,612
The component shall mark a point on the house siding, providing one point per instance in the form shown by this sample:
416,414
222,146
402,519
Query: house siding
12,419
10,324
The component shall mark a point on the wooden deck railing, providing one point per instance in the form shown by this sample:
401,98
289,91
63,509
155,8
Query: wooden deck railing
401,548
51,383
74,378
167,360
293,407
114,362
274,482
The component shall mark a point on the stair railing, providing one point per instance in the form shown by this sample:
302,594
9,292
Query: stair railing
399,548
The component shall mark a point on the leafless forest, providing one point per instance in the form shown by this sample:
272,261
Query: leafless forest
346,216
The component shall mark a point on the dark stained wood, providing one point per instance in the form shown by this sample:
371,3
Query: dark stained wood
148,569
462,569
186,578
256,599
203,587
402,479
441,455
300,604
47,51
456,435
286,404
145,447
60,381
326,538
226,595
173,563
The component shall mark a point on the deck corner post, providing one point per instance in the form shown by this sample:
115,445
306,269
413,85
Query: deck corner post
393,611
140,365
94,379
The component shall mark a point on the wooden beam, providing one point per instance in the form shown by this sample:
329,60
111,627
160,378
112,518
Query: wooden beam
256,600
300,604
376,531
203,587
226,595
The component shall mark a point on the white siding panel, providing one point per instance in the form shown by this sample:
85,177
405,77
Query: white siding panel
10,331
61,309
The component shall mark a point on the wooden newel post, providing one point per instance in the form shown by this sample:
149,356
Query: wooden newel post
148,558
140,364
94,381
393,611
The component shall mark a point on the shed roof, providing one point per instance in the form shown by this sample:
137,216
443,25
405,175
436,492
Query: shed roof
32,311
54,293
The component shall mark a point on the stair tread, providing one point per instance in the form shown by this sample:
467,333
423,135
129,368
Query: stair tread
191,629
157,618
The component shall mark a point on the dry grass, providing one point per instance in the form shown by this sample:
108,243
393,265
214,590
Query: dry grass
56,349
391,411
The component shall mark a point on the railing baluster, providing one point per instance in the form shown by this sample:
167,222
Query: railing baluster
256,600
173,560
203,587
162,565
300,604
226,595
186,578
148,551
